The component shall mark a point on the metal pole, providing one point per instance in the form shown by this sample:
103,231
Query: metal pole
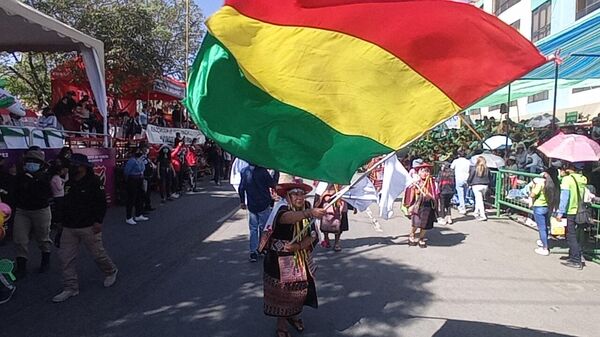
187,49
555,96
506,149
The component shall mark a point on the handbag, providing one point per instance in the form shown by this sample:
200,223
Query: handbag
332,221
584,214
290,271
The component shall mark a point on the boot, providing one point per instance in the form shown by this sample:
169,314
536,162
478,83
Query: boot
21,270
45,265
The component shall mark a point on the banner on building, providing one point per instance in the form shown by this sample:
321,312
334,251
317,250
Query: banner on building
160,135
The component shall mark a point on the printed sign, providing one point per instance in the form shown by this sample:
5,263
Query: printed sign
571,117
169,88
453,122
160,135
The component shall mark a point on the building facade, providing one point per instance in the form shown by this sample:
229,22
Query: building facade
537,19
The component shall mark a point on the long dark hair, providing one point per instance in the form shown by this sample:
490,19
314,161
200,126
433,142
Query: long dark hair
551,191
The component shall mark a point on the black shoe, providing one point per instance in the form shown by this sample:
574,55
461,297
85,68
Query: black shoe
45,265
253,257
572,264
564,258
150,209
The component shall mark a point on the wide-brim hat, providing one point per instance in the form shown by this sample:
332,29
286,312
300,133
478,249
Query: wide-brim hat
35,155
423,165
283,189
78,159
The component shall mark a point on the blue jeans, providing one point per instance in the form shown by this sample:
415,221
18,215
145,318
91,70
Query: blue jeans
460,190
257,222
540,215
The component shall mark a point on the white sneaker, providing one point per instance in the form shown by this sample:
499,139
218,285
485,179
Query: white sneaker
441,221
539,243
64,295
481,218
141,218
110,279
462,211
542,251
175,196
449,220
130,221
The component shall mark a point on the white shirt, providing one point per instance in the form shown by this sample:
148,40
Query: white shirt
461,167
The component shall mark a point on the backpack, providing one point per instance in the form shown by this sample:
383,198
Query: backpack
584,214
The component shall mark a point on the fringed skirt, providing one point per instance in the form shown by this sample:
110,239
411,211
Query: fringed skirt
287,299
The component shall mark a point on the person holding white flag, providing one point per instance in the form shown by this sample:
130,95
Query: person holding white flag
421,199
395,180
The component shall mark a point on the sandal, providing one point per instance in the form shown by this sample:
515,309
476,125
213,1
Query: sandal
422,244
283,333
325,244
337,248
296,324
412,243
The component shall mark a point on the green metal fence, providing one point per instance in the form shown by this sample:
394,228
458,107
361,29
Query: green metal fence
509,185
509,195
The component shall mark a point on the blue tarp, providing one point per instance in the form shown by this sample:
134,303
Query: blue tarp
580,51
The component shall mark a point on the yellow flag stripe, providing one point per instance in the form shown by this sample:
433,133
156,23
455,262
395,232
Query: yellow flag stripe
354,86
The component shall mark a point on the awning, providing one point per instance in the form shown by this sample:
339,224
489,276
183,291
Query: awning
26,29
580,51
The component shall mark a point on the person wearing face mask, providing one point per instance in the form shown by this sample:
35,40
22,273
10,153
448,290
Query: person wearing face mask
134,180
85,208
33,213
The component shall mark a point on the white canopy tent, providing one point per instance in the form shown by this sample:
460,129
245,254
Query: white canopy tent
26,29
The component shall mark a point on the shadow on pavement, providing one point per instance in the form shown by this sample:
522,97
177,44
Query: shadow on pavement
453,328
219,293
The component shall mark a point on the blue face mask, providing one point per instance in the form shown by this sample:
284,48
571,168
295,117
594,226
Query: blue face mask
32,167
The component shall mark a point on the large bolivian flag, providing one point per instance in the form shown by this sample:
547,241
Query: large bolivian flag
316,88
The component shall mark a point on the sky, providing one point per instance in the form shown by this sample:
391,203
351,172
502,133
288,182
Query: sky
209,6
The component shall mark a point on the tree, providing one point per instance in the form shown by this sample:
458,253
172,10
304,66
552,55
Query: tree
143,39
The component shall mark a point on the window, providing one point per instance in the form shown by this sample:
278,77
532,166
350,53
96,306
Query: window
516,25
497,106
502,5
541,96
576,90
585,7
540,21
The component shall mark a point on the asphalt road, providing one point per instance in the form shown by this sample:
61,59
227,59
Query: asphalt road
185,273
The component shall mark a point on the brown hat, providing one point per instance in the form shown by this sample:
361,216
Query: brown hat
423,165
35,155
283,189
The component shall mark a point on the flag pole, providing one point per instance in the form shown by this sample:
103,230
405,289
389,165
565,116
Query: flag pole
343,191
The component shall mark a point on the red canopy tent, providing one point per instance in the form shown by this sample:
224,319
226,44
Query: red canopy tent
64,79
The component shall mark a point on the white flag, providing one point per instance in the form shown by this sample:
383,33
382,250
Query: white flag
235,177
361,195
395,181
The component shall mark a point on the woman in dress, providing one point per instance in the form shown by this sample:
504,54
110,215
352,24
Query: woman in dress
288,274
421,199
336,220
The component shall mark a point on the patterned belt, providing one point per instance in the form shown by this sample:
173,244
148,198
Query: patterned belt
278,245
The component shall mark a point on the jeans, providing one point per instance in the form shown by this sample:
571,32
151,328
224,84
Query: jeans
445,205
479,192
574,248
540,215
257,222
135,194
461,191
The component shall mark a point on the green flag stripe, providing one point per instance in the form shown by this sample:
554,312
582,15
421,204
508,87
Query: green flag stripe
256,127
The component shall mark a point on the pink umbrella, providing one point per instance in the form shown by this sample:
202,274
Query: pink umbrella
572,148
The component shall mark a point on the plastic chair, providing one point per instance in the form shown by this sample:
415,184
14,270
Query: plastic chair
6,267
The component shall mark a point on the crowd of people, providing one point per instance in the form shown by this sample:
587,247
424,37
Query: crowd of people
171,170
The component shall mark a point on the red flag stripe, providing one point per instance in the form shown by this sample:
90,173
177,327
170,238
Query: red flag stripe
461,49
